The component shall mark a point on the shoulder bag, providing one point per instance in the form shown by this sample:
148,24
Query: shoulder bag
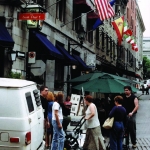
108,123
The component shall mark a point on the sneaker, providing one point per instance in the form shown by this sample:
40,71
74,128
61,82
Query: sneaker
134,146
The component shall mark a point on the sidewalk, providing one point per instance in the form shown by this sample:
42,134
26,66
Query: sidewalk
143,125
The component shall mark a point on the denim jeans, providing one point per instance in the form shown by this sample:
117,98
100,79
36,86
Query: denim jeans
116,136
58,137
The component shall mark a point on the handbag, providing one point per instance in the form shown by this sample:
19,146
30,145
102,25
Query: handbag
108,123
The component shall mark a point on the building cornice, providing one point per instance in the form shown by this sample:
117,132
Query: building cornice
140,17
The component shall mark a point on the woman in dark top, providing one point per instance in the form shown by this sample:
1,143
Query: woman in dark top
116,133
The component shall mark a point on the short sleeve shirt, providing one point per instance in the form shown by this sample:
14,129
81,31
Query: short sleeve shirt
56,106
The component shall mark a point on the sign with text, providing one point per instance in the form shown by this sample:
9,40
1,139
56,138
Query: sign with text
31,16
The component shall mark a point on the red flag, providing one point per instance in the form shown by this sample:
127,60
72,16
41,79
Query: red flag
104,9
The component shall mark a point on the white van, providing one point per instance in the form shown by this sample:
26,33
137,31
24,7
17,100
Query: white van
21,116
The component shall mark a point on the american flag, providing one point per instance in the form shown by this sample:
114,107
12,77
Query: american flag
104,9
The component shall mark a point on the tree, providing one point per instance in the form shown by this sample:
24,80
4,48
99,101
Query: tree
146,67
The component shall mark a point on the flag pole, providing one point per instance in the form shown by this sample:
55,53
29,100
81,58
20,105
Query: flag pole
62,25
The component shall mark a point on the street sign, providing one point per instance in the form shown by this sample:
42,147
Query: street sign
38,68
31,57
31,16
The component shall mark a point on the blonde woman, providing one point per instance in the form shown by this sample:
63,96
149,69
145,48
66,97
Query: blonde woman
50,99
57,119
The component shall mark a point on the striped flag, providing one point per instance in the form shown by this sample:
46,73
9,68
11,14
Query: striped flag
104,9
127,38
100,22
126,29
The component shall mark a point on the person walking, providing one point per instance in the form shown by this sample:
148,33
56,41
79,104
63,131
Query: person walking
67,105
147,90
131,104
57,119
117,131
49,135
143,89
94,139
43,94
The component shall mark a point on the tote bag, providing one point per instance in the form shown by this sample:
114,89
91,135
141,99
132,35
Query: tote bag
108,123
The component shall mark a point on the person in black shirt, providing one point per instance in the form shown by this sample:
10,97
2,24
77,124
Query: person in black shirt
116,133
43,94
131,105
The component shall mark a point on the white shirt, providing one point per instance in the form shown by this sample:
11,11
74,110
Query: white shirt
93,122
56,106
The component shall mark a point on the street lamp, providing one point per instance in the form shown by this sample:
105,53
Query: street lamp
81,34
36,12
12,56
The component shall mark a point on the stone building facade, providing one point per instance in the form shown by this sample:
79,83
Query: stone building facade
63,21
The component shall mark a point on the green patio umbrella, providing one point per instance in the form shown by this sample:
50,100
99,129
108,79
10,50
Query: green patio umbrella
104,84
93,75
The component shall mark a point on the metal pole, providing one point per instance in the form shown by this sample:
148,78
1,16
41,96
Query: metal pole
68,74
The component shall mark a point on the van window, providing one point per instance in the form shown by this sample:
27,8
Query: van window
29,102
37,97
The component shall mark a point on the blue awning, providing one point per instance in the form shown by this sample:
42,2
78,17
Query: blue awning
53,51
68,58
81,62
5,38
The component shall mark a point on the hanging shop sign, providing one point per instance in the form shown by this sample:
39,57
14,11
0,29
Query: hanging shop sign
31,16
91,60
34,15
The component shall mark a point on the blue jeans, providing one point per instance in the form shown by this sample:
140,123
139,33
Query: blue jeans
58,137
116,136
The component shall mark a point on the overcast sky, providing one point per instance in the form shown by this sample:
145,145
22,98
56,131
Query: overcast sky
144,6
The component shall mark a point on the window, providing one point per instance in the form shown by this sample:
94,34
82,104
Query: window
97,38
127,55
107,44
37,97
29,102
128,13
59,76
90,23
114,50
76,13
102,41
110,47
40,2
61,10
131,22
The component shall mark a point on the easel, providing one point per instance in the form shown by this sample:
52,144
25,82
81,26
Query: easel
78,107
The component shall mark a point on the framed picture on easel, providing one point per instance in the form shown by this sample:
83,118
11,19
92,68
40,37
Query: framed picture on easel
75,100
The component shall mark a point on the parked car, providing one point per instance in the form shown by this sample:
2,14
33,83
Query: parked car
21,116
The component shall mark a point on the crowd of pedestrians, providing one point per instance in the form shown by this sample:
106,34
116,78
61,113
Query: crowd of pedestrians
122,107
